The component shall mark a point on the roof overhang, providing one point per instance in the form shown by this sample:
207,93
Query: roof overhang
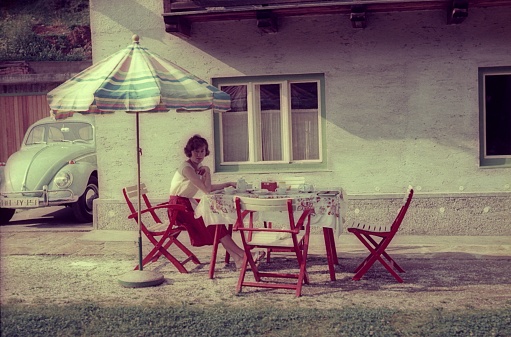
179,15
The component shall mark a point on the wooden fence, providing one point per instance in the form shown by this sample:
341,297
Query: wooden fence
23,89
17,113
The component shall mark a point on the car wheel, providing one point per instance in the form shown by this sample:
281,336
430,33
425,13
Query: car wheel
6,215
82,209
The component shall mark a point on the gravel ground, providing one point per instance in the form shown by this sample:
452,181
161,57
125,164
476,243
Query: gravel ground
448,282
60,264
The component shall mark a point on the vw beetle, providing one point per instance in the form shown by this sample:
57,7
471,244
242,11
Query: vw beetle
56,165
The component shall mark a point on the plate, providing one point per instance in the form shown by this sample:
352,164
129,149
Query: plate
328,193
229,191
260,192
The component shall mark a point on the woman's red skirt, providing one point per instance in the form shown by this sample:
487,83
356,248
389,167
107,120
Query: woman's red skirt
199,234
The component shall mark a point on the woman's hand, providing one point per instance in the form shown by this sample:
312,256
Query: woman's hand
203,170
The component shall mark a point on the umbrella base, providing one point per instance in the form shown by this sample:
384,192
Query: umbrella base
141,279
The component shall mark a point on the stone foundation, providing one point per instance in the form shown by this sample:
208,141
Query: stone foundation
453,214
438,214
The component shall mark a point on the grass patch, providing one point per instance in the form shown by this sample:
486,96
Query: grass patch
94,320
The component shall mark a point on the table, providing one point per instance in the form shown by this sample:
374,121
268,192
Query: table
329,213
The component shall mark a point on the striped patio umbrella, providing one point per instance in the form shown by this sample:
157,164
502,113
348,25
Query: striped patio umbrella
135,80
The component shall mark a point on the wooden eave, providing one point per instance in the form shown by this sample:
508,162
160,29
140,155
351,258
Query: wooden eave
203,11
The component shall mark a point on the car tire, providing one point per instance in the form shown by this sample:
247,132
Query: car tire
82,209
6,215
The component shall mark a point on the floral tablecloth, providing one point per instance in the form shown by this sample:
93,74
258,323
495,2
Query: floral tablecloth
329,208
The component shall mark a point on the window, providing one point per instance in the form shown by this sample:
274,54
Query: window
60,132
495,116
36,136
54,134
274,121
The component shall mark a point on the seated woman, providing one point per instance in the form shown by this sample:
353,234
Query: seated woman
190,177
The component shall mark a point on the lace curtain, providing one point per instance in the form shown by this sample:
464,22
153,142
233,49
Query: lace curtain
303,126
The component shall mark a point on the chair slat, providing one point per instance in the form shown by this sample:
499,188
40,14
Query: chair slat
262,204
133,190
294,182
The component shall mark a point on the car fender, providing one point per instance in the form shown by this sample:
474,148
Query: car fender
81,172
31,169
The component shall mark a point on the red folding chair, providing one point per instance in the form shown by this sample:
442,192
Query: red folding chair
161,235
294,239
186,219
214,252
377,238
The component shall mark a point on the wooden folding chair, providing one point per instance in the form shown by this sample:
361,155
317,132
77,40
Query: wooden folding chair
161,235
186,219
377,238
291,183
294,238
214,251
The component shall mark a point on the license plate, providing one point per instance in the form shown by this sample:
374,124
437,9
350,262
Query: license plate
19,202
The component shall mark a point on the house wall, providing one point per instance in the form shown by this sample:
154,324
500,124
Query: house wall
401,108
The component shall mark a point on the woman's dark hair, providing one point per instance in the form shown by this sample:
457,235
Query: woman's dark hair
194,143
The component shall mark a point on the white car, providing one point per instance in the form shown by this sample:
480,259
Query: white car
56,165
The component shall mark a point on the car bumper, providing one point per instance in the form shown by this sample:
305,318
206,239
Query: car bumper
36,198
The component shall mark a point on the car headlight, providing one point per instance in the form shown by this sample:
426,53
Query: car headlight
63,179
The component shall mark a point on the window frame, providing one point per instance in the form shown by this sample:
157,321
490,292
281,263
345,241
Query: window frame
486,161
285,165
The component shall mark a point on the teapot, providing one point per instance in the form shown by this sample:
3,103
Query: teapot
241,185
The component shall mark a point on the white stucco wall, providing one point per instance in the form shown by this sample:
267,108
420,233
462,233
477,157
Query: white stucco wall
402,94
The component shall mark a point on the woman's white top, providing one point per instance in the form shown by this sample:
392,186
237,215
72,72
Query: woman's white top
182,186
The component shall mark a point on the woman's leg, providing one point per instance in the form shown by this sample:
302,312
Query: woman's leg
237,253
234,250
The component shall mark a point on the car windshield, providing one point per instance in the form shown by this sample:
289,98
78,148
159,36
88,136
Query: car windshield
60,132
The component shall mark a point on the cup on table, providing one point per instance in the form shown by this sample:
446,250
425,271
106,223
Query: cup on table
241,185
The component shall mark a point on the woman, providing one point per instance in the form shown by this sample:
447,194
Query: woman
189,178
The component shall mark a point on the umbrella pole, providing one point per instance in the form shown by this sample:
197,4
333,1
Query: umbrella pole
140,278
139,219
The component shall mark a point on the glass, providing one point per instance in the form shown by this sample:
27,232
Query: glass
304,119
235,125
271,124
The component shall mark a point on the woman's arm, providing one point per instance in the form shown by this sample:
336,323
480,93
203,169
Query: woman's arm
200,178
214,187
221,186
204,183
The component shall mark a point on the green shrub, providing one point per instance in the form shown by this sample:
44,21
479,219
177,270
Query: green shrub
20,41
